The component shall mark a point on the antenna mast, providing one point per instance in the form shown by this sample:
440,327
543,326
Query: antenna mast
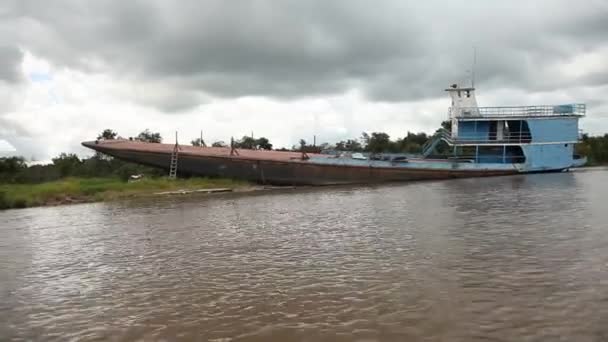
473,67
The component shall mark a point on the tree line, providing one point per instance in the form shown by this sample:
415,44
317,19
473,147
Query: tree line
594,148
17,170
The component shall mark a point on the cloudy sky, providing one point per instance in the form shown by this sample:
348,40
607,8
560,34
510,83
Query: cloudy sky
284,69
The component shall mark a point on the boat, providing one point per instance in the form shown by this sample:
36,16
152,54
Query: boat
482,141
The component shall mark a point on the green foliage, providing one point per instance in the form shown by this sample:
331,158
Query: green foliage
304,147
11,167
379,142
14,169
376,142
219,144
263,144
349,145
67,164
250,143
447,125
246,142
594,148
70,178
198,142
107,134
4,204
147,136
71,190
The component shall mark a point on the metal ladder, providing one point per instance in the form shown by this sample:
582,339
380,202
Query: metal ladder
174,155
434,140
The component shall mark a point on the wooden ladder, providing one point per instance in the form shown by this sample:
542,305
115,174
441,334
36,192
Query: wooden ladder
174,155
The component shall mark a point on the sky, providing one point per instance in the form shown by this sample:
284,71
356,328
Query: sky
286,70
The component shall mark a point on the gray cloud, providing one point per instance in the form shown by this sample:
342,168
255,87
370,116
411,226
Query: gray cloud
392,50
10,62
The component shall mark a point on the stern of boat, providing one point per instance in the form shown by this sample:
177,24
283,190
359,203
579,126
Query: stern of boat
579,162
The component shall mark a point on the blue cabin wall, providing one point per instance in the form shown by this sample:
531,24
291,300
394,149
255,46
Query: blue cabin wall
553,130
542,130
547,143
473,130
550,156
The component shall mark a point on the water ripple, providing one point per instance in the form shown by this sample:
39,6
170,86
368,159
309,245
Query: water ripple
505,259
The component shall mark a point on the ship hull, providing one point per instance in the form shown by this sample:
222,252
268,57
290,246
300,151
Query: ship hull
289,171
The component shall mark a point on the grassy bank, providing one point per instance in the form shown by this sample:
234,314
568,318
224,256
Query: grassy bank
79,190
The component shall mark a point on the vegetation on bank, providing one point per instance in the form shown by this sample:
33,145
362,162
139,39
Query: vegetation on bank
79,190
595,149
70,178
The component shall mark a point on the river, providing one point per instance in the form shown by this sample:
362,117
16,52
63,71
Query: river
520,258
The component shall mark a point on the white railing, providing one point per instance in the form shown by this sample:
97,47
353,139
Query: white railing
480,139
577,109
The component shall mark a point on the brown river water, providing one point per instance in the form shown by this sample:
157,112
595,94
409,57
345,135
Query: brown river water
521,258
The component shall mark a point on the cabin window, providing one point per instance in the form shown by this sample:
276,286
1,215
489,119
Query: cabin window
518,131
500,154
514,154
493,126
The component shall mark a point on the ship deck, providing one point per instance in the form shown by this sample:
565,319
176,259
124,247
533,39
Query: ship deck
138,146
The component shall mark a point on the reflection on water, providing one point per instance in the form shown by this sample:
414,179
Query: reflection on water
506,258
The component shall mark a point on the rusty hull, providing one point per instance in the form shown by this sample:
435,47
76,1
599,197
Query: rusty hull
270,167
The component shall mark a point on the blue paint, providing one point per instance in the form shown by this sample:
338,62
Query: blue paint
473,130
524,139
564,109
548,157
553,130
414,164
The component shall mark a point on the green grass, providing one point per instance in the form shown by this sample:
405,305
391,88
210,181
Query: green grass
76,190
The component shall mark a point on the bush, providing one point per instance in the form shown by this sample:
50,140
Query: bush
20,203
3,201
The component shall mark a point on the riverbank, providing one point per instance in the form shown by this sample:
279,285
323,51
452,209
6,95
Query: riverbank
84,190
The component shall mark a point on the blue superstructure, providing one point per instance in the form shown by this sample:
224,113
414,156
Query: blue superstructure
536,138
482,142
521,139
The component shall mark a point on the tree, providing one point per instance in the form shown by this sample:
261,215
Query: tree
263,144
10,167
107,134
353,145
198,142
147,136
67,164
379,142
365,140
325,146
411,143
349,145
447,125
246,142
304,147
219,144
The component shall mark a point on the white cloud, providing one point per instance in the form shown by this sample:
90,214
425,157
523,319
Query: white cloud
285,71
71,106
6,148
74,106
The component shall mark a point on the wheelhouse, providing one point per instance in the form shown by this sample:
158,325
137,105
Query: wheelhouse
541,137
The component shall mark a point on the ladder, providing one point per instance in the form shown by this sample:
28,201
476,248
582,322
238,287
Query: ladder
174,155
